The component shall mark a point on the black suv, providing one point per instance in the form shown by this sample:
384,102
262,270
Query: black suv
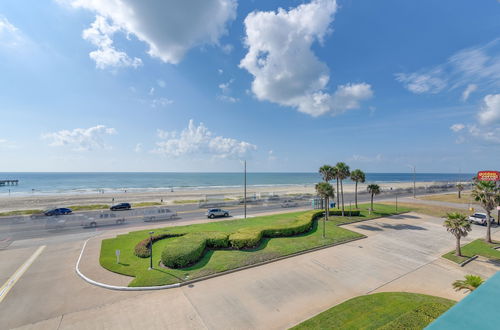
121,206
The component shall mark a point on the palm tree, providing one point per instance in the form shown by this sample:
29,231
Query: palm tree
325,191
460,187
327,172
471,283
373,189
458,225
342,174
357,176
487,193
335,173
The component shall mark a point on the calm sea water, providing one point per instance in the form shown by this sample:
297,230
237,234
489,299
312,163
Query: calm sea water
70,183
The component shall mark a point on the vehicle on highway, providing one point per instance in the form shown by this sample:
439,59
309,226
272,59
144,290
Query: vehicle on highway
121,206
58,211
159,214
212,213
480,219
105,218
289,203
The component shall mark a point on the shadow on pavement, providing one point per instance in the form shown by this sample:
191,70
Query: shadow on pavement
367,227
402,227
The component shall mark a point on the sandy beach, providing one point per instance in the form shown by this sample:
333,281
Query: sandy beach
11,203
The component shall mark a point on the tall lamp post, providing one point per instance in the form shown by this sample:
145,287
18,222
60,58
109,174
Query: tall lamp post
151,249
245,191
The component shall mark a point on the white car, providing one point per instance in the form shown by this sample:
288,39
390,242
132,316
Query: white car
212,213
105,218
479,219
289,203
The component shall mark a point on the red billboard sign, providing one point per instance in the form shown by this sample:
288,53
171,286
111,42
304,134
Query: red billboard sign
488,176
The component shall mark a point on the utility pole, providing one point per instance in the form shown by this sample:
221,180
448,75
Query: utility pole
414,184
245,192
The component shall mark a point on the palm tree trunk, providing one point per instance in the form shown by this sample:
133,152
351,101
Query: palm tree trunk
371,205
338,203
458,252
459,196
356,194
325,218
488,227
342,192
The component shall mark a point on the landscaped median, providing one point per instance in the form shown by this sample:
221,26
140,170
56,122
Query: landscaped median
478,247
386,310
184,253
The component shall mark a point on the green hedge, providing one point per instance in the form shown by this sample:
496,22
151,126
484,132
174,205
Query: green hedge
355,213
190,248
418,318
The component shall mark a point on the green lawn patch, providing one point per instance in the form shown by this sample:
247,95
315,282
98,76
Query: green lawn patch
186,201
146,204
198,250
20,212
477,247
89,207
386,310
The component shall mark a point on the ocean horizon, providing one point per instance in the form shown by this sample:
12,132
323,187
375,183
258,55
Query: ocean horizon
43,183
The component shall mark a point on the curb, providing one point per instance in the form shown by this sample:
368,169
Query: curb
463,263
177,285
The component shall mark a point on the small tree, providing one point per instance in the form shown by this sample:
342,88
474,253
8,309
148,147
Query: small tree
342,174
357,176
460,187
487,193
458,225
373,189
471,283
325,191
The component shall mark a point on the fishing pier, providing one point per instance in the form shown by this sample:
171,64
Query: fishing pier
9,182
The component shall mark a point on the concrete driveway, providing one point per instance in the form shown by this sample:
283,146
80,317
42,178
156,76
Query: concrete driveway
401,253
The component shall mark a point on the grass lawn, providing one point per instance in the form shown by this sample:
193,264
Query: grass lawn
432,210
146,204
215,261
386,310
20,212
451,198
89,207
186,201
476,247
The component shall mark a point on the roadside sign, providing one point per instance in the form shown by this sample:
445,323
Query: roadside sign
488,176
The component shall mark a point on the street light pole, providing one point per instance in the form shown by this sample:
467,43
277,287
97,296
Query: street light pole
151,249
245,192
414,184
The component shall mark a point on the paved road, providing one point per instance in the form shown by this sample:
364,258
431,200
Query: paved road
401,253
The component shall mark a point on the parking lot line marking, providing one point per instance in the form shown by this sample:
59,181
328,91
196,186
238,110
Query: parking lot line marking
19,272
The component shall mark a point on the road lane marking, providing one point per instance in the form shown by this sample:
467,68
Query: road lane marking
19,272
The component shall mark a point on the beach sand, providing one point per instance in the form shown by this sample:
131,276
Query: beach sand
11,203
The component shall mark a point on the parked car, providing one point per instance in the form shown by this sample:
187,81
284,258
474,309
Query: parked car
480,219
289,203
121,206
105,218
212,213
58,211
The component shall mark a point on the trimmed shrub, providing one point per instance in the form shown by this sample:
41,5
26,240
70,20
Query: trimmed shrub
354,213
217,239
143,249
245,238
184,251
417,318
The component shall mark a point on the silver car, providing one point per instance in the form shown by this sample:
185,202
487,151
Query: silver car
212,213
479,219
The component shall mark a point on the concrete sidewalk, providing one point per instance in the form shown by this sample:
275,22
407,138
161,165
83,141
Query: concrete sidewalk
401,253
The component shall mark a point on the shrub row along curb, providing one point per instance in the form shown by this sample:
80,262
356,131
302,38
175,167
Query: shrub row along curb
177,285
187,249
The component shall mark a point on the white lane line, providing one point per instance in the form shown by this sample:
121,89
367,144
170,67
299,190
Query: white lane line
19,272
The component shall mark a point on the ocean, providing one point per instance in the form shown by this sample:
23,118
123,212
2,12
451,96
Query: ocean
74,183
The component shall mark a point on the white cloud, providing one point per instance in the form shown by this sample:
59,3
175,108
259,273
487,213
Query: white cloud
160,102
169,27
472,67
10,36
99,34
220,71
285,69
151,91
161,83
457,127
227,49
138,147
471,88
81,139
490,111
225,87
200,140
486,134
226,90
271,156
227,98
368,159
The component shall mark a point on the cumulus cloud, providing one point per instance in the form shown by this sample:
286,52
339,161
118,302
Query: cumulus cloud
471,88
160,102
226,91
99,34
81,139
200,140
457,127
169,27
285,69
472,67
490,111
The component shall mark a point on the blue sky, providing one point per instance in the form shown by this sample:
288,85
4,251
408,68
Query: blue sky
199,85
